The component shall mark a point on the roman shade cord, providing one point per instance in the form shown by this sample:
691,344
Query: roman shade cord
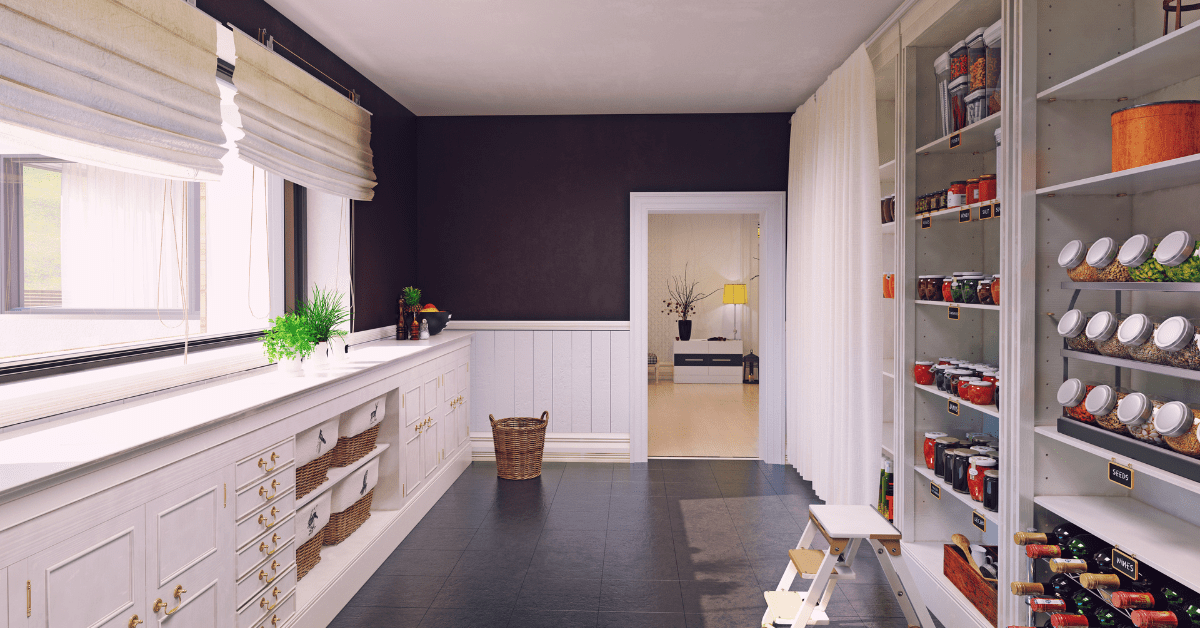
250,257
270,42
180,261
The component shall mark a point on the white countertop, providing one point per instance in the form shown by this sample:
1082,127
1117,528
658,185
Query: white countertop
54,450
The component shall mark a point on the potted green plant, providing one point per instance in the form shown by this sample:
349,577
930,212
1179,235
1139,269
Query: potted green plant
324,312
410,301
287,341
684,297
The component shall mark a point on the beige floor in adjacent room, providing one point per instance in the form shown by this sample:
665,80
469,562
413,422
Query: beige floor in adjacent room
717,420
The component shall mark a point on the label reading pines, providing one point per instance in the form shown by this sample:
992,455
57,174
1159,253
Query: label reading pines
953,313
979,521
935,490
1125,564
964,214
985,211
926,222
1120,474
955,140
952,407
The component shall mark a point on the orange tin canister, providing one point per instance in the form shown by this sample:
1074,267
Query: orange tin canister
1154,132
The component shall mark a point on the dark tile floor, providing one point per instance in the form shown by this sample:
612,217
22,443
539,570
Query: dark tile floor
667,544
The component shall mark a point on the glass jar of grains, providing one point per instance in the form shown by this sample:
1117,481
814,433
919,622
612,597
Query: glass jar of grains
1102,330
1137,412
1177,336
1179,256
1137,255
1103,257
1071,327
1177,422
1137,333
1071,395
1102,404
1073,257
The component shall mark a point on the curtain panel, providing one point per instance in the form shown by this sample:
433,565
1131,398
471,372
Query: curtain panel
833,299
298,127
124,84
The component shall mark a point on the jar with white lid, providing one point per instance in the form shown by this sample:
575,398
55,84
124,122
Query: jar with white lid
991,39
1071,327
976,104
1177,422
1137,333
1180,257
959,87
1102,256
984,292
1137,256
1102,330
941,77
966,287
1102,404
1137,412
1177,337
1073,257
1071,395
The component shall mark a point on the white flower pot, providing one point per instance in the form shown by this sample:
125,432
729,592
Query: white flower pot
319,360
337,351
290,367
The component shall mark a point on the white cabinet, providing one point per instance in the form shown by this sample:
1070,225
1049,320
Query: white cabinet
708,362
5,589
410,404
414,469
462,412
431,448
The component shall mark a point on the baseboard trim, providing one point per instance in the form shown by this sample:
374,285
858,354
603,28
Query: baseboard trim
564,447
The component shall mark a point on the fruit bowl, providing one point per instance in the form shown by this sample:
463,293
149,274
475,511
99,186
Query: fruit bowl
437,320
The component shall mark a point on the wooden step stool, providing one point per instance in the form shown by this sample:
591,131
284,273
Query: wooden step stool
844,528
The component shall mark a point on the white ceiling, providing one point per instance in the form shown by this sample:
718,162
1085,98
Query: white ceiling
542,57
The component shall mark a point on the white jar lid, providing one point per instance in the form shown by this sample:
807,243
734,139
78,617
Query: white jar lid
970,379
1175,333
946,359
1101,400
1174,419
1175,248
924,362
1102,327
935,435
973,276
982,461
985,281
993,33
978,94
960,82
936,276
1071,393
1102,253
942,63
1072,324
1135,409
1136,330
955,47
1072,254
1136,251
983,383
976,34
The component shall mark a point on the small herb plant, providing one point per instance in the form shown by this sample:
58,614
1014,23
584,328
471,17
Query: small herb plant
290,336
411,296
684,296
324,312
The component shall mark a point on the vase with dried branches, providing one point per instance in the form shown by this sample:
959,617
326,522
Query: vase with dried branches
684,297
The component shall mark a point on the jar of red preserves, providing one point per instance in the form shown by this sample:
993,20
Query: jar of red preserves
922,373
972,191
963,386
979,464
982,393
987,188
1071,395
958,195
995,289
948,289
929,448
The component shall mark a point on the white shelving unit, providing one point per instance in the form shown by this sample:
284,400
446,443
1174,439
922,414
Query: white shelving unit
944,600
976,138
335,474
989,410
1049,432
1151,178
954,211
965,306
949,493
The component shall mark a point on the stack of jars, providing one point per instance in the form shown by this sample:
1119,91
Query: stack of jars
961,287
967,79
1157,421
972,382
1175,258
959,194
1151,339
933,202
966,464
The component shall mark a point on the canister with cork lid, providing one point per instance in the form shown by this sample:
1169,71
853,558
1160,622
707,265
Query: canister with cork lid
1137,256
1137,333
1102,256
1102,330
1137,412
1071,395
1177,422
1177,337
1071,327
1073,258
1102,403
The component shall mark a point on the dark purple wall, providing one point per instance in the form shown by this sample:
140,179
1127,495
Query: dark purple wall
527,218
385,257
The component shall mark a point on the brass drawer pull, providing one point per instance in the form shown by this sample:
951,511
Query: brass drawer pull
262,491
262,463
262,519
134,621
159,604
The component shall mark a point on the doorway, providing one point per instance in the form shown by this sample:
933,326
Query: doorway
765,210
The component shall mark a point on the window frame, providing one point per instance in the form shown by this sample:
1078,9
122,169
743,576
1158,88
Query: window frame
12,249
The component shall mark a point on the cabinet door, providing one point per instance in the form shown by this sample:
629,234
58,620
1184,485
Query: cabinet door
190,554
414,467
430,392
431,448
4,593
410,406
95,579
449,390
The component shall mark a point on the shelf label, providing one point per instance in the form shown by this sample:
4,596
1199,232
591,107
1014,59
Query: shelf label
926,222
964,214
996,209
1124,564
979,521
1120,474
935,490
953,313
955,140
952,407
985,211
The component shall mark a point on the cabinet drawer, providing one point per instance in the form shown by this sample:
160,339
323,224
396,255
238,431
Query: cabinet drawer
256,580
266,491
264,463
272,600
264,547
276,515
282,613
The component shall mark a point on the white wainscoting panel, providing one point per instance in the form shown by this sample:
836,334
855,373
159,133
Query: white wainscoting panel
523,373
601,396
581,381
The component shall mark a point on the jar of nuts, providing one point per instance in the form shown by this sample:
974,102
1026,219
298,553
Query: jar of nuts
1073,257
1071,327
1137,333
1071,395
1137,412
1102,330
1177,422
1103,257
1102,404
1177,337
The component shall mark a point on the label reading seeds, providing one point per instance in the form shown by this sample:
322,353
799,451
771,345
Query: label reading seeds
964,214
955,140
953,313
952,407
935,490
926,222
985,211
1120,474
1125,564
979,521
996,209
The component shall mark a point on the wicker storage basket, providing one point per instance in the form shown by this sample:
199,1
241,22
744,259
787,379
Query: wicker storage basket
519,443
308,555
312,475
351,449
343,524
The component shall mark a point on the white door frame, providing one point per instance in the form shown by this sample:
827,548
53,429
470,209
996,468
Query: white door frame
770,208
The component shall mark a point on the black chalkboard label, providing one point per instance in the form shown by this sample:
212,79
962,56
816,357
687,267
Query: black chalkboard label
953,313
952,407
985,211
955,140
935,490
926,222
1124,564
996,209
979,521
1120,474
964,214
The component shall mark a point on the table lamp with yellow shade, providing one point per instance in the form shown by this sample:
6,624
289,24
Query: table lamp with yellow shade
735,293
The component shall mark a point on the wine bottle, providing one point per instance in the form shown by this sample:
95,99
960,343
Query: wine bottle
1155,619
1085,546
1102,618
1068,565
1060,536
1058,586
1116,581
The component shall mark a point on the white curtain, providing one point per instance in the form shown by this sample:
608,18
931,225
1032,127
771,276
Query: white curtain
833,292
122,238
126,84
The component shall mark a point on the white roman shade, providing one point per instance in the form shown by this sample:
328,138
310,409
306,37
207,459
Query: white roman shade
124,84
297,127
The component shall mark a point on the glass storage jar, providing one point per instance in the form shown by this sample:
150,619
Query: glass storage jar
991,39
1071,327
977,59
995,289
941,78
991,490
985,292
948,289
1071,395
979,465
939,451
958,105
962,464
967,288
923,373
982,393
1137,412
987,188
929,447
1102,330
1137,333
972,191
1073,257
1103,257
1177,422
976,102
958,194
1102,403
964,382
1179,256
1137,255
1177,336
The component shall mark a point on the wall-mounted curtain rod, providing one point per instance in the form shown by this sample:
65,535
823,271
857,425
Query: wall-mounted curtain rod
270,42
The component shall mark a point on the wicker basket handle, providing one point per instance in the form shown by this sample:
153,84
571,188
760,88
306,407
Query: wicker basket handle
546,416
492,419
